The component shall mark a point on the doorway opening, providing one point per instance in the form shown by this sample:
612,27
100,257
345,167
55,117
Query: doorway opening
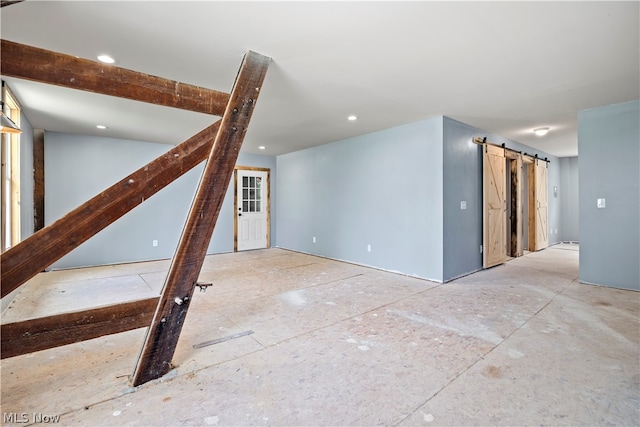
514,204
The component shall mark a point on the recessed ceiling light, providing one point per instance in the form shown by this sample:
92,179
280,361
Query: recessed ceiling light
262,147
101,126
106,59
352,118
541,131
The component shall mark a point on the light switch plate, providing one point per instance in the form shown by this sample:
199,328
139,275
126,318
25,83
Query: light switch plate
601,204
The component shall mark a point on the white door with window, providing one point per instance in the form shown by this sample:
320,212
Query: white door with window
252,209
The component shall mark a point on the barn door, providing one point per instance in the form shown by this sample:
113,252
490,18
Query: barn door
494,221
538,206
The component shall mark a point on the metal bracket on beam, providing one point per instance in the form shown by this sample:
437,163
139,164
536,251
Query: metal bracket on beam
203,286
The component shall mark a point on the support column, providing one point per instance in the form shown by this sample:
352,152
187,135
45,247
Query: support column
162,337
38,179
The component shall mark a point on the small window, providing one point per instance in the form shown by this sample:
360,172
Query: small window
251,194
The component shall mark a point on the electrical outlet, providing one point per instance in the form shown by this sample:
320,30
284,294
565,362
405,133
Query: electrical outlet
368,248
314,239
154,243
463,205
480,248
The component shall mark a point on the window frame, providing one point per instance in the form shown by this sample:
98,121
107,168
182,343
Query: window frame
10,190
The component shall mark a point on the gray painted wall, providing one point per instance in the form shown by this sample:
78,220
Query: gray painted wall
398,190
463,182
382,189
77,167
569,199
609,168
325,192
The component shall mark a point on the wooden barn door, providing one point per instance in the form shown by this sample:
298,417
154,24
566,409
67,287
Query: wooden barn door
538,206
494,221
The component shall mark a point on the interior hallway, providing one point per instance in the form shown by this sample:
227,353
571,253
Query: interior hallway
339,344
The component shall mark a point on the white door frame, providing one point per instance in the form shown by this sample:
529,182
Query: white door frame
236,207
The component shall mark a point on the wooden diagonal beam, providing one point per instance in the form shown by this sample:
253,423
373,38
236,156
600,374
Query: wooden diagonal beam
4,3
40,65
162,337
61,329
43,248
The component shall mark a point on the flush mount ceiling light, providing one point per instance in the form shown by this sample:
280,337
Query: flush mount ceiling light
262,147
541,131
106,59
352,118
101,126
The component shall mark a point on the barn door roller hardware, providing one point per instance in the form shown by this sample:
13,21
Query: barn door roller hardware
203,286
483,142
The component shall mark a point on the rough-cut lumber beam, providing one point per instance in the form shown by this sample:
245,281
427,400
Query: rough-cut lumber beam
61,329
38,179
162,336
4,3
40,65
43,248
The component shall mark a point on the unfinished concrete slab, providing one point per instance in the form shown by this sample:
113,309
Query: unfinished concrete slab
339,344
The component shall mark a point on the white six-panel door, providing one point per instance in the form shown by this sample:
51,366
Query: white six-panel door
252,209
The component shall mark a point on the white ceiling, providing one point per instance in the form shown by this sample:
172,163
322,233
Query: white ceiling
505,67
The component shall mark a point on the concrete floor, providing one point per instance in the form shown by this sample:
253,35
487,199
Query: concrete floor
338,344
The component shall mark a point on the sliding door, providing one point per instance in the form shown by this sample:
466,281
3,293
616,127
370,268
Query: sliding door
494,220
538,206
